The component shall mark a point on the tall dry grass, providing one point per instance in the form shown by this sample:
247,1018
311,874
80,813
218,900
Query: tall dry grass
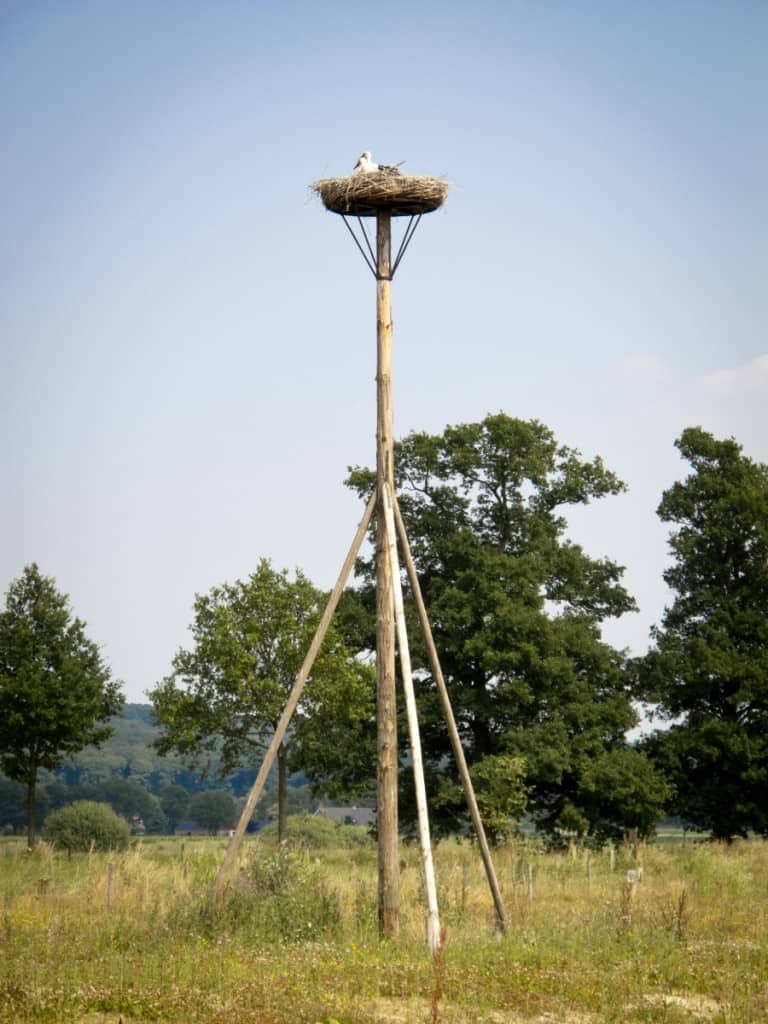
93,937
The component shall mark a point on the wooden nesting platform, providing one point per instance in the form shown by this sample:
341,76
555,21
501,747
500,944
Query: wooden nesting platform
367,194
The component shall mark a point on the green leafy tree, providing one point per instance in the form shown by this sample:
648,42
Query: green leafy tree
708,670
128,798
621,785
157,824
13,813
213,809
55,690
516,610
174,801
498,781
499,784
227,692
86,825
57,794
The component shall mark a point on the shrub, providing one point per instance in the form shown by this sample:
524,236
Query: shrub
293,901
281,896
86,824
314,832
499,783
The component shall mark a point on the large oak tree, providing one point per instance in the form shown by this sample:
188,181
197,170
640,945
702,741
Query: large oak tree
516,610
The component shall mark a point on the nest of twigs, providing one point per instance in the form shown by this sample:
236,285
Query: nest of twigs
365,195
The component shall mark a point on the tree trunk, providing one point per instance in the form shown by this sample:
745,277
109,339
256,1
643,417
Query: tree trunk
282,792
31,785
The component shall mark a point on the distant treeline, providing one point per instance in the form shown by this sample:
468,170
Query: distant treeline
127,773
130,753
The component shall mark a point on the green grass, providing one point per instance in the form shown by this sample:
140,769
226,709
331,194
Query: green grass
689,944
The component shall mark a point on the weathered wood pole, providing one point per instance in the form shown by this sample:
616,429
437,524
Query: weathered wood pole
386,712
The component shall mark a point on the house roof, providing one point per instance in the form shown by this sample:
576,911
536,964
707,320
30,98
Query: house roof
349,815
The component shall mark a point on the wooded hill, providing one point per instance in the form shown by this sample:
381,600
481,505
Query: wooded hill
129,753
127,772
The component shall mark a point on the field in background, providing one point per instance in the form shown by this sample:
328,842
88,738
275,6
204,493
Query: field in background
94,938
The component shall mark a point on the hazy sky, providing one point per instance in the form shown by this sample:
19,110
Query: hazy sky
188,339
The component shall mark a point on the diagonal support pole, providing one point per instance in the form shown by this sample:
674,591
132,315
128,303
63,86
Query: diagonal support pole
293,700
410,231
371,262
453,732
433,916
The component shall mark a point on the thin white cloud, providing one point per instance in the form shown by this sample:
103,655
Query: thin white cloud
733,382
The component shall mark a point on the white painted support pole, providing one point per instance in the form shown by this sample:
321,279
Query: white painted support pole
433,916
453,732
293,699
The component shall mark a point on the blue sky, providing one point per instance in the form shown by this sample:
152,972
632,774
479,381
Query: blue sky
187,339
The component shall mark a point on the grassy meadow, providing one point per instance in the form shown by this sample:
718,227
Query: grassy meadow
98,938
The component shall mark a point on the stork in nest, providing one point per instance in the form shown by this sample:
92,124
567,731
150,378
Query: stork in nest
366,165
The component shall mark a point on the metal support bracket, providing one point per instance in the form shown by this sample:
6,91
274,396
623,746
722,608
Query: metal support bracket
367,252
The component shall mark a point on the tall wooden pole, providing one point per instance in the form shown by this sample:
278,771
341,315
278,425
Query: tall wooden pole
386,804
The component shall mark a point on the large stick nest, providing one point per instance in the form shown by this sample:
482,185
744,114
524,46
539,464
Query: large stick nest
366,194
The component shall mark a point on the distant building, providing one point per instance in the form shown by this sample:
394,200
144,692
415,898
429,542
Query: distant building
191,828
348,815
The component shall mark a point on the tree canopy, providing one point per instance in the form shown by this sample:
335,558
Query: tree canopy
56,694
708,670
516,610
213,809
226,693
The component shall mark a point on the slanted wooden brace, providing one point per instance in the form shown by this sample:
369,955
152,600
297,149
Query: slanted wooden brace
385,194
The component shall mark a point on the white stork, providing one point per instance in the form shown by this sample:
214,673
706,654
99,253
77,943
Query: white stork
365,164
